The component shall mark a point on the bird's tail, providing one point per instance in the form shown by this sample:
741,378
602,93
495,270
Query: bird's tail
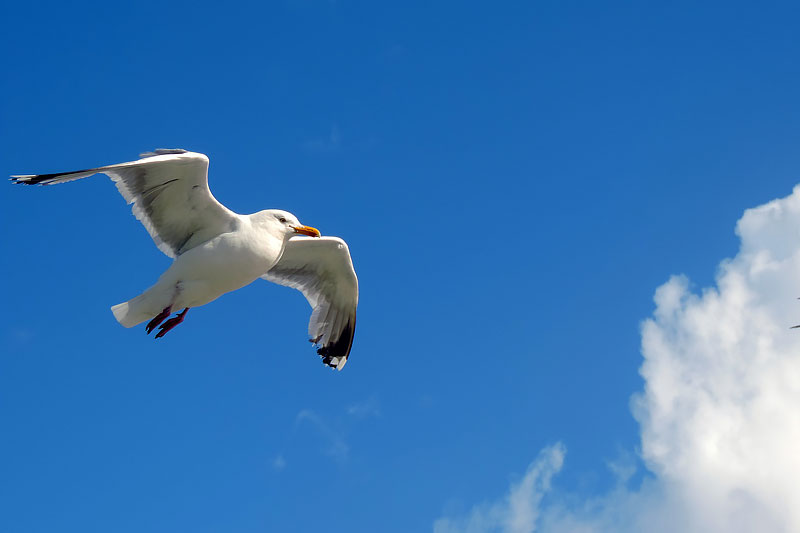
131,313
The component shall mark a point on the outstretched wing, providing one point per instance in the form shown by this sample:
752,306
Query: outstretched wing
170,196
322,270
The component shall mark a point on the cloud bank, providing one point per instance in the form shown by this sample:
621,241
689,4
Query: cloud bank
719,414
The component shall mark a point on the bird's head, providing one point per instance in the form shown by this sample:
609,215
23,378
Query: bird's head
284,223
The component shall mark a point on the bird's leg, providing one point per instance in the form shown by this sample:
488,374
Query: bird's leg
159,318
171,323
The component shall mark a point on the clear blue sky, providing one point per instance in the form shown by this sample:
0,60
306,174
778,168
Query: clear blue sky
514,181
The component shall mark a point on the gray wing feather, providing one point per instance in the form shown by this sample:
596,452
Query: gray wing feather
169,193
321,268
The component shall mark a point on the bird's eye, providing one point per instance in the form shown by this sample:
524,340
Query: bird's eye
282,220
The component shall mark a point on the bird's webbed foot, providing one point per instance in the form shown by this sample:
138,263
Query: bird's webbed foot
159,318
171,323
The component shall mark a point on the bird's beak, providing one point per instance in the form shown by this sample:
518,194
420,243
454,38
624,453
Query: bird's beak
306,230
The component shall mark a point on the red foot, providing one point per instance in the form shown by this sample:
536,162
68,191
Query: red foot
171,323
159,318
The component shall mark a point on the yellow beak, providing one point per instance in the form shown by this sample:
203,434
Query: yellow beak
306,230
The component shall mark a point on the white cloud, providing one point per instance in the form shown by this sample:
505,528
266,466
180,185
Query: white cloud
367,408
720,410
328,431
518,512
335,444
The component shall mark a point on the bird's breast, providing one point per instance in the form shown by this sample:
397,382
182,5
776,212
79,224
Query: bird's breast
230,260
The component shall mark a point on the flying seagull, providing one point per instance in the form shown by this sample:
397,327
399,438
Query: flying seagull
216,250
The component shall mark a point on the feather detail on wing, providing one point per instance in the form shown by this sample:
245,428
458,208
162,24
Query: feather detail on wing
322,270
169,192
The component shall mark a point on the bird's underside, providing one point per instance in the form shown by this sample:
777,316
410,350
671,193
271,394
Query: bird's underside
216,250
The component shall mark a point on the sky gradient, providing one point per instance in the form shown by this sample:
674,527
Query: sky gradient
516,184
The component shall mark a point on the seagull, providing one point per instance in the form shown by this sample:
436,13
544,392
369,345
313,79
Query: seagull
216,251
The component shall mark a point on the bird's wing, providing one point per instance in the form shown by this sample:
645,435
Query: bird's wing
170,196
322,270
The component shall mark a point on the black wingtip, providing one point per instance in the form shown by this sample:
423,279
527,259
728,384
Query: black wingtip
45,179
336,353
40,179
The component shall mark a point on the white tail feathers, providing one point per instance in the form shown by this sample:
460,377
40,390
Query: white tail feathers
121,314
128,315
144,307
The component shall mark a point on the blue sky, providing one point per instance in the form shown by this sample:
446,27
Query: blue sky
514,181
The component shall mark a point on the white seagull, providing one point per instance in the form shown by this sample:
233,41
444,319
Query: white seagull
216,250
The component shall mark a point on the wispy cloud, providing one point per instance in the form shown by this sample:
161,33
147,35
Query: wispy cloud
332,430
365,409
517,513
335,444
719,416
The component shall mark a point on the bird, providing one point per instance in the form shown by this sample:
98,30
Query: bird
216,251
